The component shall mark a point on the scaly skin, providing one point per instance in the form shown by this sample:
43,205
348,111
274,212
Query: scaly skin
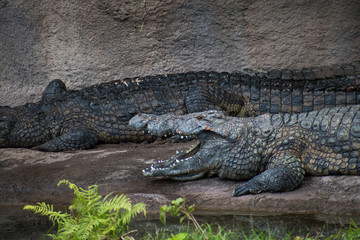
70,120
274,151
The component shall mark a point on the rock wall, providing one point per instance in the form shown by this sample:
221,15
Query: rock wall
89,41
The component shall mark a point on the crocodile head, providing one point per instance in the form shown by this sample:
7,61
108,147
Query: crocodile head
214,139
23,126
7,122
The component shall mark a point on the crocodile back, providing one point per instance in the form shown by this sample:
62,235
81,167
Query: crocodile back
106,108
296,91
328,140
109,106
247,93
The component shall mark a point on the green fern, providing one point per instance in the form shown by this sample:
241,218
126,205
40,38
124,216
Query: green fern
46,209
92,216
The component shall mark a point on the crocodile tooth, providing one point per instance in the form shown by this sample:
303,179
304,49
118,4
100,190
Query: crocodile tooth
177,161
165,135
152,168
182,137
177,152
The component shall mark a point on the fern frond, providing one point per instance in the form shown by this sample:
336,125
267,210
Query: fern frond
53,236
91,193
117,203
95,217
87,226
70,185
106,197
69,230
93,201
138,208
48,210
85,201
132,212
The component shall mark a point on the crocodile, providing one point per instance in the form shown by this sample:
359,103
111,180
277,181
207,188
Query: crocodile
66,119
273,152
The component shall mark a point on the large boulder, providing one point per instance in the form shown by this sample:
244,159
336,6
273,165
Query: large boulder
28,176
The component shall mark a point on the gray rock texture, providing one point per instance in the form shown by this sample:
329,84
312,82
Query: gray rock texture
89,41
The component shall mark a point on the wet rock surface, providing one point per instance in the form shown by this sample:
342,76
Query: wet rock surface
28,176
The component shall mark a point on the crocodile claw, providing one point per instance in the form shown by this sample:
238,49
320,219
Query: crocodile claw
244,189
240,191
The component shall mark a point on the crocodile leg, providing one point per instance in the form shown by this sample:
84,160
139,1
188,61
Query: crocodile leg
284,173
204,98
76,138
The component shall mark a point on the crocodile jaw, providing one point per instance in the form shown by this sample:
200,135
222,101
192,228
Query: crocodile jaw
204,158
215,140
179,164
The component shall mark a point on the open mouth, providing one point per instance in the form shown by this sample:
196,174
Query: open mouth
177,163
182,156
215,139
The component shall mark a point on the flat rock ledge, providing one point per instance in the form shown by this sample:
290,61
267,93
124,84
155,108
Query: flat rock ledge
28,176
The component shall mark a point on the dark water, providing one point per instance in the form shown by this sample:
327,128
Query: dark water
23,225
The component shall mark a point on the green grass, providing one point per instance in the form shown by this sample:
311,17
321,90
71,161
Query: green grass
215,232
353,232
210,232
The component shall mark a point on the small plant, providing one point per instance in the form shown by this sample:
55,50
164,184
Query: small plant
91,216
177,208
179,236
94,217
